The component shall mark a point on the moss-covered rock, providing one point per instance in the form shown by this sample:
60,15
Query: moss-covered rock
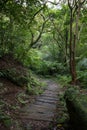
77,108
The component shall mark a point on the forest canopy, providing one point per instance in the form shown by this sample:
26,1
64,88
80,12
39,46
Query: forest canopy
47,36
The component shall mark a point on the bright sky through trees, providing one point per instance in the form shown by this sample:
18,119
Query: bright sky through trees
53,3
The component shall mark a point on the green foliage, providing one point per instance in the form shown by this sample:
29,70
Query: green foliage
82,77
32,83
82,64
43,63
35,86
71,93
38,36
76,103
51,68
15,76
33,59
4,117
22,98
82,72
64,80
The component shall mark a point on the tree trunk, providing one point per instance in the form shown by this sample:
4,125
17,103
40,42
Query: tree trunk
73,62
66,45
75,7
72,51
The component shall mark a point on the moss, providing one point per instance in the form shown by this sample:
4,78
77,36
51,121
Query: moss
16,77
77,108
5,119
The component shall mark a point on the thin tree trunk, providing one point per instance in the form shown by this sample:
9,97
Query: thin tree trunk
72,52
66,45
75,8
70,47
73,62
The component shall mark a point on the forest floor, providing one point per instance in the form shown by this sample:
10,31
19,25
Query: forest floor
42,112
21,111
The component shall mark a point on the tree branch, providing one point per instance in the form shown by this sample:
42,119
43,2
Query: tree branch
32,36
39,36
54,3
36,14
83,1
69,5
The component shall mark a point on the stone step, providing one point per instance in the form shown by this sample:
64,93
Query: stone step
47,98
46,101
39,116
44,107
45,104
38,108
50,95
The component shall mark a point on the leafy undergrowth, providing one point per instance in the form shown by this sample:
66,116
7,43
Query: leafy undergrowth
63,80
20,75
12,99
18,86
80,87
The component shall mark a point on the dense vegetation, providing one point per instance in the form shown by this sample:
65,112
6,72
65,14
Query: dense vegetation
46,38
48,41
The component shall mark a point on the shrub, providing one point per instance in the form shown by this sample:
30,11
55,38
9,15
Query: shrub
82,77
64,80
82,64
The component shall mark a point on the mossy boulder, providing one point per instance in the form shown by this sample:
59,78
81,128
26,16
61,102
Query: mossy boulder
76,103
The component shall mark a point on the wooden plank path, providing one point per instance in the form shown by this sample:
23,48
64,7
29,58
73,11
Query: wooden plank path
44,107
